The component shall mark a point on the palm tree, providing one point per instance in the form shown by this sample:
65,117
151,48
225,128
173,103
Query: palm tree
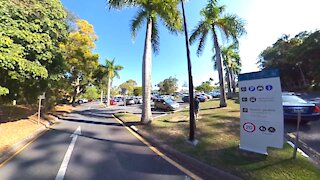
111,72
150,11
229,26
232,63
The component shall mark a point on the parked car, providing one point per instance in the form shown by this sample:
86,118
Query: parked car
129,101
83,100
138,100
215,94
185,98
201,98
292,104
113,102
118,99
166,104
208,96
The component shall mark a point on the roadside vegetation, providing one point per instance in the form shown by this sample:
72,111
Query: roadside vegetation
298,60
218,134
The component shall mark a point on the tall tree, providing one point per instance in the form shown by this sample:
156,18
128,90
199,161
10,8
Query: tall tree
150,11
213,20
297,58
29,53
79,59
129,85
232,63
112,71
168,86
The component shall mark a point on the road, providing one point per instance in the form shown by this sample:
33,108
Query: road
104,150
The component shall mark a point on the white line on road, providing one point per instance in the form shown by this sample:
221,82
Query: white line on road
66,159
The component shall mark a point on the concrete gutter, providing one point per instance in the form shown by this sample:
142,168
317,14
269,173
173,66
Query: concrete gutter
314,156
199,168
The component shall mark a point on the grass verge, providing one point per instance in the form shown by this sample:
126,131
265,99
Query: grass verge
19,122
218,132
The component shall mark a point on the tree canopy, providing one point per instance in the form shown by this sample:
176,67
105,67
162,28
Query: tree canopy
205,87
297,58
168,86
30,32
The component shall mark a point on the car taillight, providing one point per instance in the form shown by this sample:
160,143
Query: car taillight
316,109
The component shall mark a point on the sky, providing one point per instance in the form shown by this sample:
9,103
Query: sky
266,21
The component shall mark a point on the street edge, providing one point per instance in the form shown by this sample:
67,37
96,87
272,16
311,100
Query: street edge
201,169
314,157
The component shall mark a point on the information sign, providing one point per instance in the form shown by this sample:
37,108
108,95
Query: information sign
261,117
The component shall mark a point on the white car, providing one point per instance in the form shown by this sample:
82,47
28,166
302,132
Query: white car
83,100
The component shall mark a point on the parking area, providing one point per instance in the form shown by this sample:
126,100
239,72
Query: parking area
137,108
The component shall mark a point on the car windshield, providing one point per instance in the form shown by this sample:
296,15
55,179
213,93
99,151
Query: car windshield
169,101
292,99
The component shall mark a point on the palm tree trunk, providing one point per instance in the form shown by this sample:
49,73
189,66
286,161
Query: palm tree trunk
108,91
233,81
192,124
223,99
228,77
146,116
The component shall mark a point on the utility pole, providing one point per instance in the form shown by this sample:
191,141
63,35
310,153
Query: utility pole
192,122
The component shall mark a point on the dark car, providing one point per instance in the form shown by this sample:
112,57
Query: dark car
201,98
185,99
166,104
293,104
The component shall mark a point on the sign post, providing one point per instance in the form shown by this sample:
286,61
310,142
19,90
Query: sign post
261,117
43,96
296,144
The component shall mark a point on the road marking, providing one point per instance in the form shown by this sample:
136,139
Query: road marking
23,147
154,149
67,156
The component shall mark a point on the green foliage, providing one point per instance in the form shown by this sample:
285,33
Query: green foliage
168,86
129,85
205,87
297,58
30,32
3,91
91,93
137,91
80,62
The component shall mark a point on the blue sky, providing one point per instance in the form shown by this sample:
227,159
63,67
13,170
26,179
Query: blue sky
266,21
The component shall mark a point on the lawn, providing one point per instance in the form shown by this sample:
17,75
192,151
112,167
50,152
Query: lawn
218,134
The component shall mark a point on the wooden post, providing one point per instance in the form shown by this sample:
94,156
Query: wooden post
39,110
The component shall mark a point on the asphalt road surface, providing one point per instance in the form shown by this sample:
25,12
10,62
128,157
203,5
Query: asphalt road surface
102,149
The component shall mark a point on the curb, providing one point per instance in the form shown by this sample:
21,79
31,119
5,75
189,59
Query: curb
199,168
314,156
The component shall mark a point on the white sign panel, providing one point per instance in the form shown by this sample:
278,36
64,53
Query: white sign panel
261,117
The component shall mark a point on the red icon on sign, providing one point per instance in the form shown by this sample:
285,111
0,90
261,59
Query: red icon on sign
249,127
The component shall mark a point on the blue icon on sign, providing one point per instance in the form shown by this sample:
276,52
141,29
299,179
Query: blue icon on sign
252,88
268,87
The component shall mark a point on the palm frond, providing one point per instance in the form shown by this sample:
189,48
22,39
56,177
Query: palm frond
202,42
137,22
118,4
170,15
198,31
155,36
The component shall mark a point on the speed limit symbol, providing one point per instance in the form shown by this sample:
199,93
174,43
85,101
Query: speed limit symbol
249,127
